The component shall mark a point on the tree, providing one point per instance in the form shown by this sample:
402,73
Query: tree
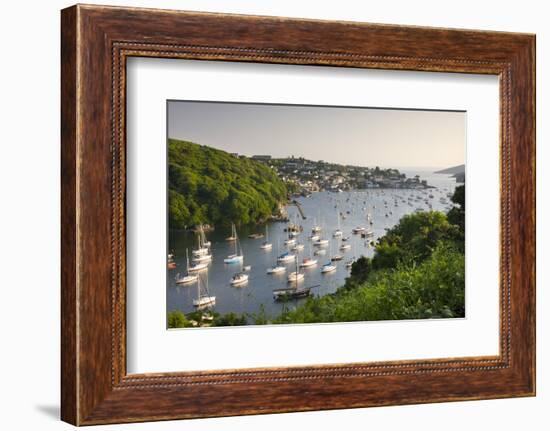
414,238
209,186
457,214
176,319
230,319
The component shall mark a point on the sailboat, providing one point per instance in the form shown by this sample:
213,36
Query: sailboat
350,262
239,278
189,278
298,247
203,298
316,228
198,266
237,257
233,236
285,257
295,276
329,266
308,262
277,269
290,241
344,246
205,242
338,232
202,253
202,249
266,245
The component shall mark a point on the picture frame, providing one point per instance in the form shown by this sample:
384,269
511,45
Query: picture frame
96,42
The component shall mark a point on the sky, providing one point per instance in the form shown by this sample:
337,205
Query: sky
356,136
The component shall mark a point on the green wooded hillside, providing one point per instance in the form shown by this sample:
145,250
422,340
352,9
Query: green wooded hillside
210,186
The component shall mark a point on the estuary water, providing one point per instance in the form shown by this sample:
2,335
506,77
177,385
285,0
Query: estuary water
385,206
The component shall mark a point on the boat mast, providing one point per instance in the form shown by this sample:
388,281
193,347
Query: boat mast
198,289
236,240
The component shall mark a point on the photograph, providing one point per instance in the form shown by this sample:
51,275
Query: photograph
293,214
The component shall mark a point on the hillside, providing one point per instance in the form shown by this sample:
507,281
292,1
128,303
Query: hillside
210,186
460,169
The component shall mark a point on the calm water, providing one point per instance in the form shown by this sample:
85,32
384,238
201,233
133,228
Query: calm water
321,208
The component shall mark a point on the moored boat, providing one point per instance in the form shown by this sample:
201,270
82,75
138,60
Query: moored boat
291,293
321,243
266,245
286,257
189,278
298,247
186,279
289,241
233,236
204,299
239,279
277,269
236,257
199,266
308,262
328,267
202,258
295,277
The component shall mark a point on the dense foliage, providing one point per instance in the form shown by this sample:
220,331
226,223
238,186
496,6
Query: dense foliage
457,214
210,186
177,319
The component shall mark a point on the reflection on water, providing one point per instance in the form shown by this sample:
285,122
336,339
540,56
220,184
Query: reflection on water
386,207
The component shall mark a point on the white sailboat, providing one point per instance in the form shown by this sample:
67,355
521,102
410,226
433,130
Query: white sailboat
199,266
204,258
350,262
202,249
316,228
205,242
290,241
338,232
285,257
277,269
345,246
204,299
329,266
295,276
233,236
239,279
202,253
236,257
298,247
308,262
321,242
189,278
266,245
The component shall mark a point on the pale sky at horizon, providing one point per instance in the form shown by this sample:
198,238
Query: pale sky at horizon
357,136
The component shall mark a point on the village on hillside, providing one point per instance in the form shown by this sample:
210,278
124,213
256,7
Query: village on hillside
312,176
